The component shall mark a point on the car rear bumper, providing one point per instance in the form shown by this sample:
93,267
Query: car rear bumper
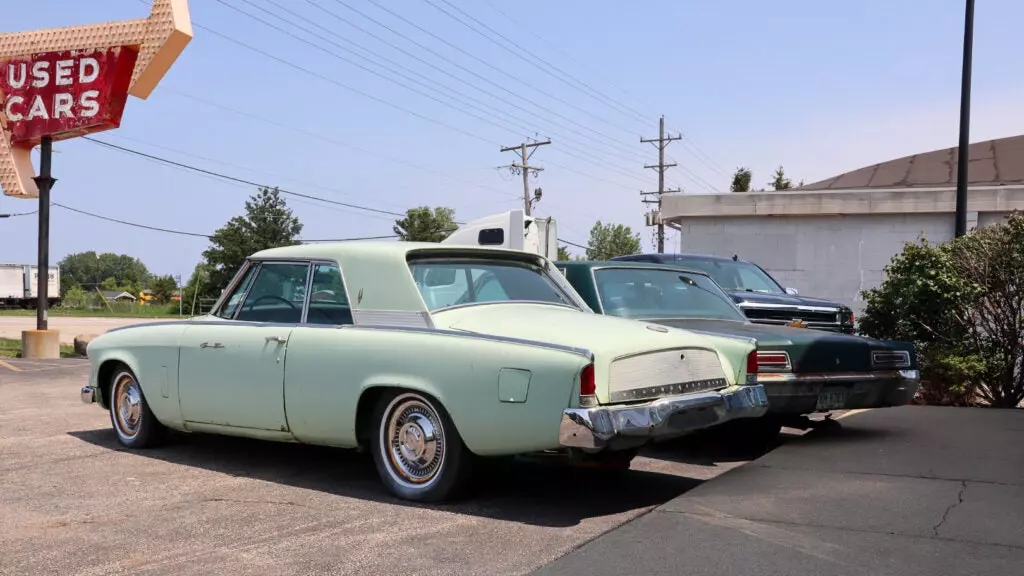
631,424
807,393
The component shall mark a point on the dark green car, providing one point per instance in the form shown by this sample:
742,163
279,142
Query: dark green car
803,371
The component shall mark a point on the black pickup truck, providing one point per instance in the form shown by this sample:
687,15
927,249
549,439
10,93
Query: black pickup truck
761,297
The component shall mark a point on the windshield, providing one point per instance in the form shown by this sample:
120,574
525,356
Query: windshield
451,282
736,276
653,293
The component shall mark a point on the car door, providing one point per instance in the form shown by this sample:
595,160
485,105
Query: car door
231,370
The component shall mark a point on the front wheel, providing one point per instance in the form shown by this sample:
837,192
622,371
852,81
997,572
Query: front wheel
418,452
133,421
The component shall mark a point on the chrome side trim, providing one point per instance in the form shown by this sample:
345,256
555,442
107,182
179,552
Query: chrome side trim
765,378
426,330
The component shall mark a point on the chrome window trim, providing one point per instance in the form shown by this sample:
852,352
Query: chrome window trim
232,285
285,261
543,264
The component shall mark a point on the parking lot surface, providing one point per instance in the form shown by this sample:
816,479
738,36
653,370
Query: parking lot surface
69,326
72,501
904,491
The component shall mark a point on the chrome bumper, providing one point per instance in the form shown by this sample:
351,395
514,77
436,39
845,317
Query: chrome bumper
799,393
596,428
88,394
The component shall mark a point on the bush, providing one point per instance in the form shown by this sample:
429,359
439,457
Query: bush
962,304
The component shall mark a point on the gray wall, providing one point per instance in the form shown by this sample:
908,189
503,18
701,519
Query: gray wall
832,257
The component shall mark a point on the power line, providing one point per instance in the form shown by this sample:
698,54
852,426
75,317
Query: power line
525,168
661,142
239,180
460,98
195,234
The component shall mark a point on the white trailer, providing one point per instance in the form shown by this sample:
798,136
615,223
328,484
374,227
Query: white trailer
512,229
19,285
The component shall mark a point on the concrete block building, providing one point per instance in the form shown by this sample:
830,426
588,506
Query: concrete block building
832,239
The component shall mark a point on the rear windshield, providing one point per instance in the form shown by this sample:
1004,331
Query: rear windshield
653,293
453,282
735,276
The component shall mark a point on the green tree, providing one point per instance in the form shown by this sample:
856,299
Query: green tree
962,305
423,224
163,288
563,253
779,181
89,270
196,289
268,222
741,180
610,240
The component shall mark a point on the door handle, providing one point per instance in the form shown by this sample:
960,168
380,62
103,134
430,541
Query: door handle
277,339
211,345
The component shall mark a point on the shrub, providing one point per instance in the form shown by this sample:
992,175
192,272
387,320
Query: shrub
962,304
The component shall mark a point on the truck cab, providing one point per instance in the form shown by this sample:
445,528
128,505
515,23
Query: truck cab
512,229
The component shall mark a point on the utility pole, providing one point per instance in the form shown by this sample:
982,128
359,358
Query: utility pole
963,158
525,168
661,142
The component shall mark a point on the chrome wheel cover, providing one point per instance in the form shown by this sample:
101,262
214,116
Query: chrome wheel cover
127,400
413,441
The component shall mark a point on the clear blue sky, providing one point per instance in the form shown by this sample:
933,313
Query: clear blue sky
820,87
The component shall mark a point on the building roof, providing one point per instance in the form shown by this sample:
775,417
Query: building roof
997,162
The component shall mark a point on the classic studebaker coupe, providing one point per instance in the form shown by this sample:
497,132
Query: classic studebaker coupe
429,356
803,371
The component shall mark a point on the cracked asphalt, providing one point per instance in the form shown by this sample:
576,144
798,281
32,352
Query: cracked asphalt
903,491
73,502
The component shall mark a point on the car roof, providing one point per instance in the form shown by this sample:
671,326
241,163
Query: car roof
670,257
625,264
370,248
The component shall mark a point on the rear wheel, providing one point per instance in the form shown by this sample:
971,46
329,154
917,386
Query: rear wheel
418,452
130,415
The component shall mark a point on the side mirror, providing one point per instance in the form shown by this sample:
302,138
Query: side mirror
792,291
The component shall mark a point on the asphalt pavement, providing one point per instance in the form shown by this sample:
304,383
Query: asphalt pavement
73,501
903,491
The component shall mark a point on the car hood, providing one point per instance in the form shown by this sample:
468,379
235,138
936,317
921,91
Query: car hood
785,299
810,351
608,337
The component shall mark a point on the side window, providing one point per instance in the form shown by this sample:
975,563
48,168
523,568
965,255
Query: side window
328,303
231,304
277,294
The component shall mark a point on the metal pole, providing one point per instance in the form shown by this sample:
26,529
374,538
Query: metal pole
963,158
44,182
526,180
661,183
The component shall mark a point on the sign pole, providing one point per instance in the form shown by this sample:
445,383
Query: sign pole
44,182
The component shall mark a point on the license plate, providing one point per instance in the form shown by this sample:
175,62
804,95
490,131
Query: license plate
831,400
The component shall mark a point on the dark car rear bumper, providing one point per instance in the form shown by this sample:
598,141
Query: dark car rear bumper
807,393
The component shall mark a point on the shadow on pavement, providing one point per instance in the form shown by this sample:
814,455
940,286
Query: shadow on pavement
709,447
535,493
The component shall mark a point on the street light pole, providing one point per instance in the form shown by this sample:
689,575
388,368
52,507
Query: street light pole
963,158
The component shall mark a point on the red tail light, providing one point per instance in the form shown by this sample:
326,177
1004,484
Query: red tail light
752,362
587,385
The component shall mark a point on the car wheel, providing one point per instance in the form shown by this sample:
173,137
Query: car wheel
133,421
418,452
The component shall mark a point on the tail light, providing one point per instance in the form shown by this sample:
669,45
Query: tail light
752,363
773,362
587,385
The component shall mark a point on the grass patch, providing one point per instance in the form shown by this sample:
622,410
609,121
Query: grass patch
117,312
11,348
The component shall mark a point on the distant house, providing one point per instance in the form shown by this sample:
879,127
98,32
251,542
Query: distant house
115,296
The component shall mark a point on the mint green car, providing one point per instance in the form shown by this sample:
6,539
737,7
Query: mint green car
430,356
